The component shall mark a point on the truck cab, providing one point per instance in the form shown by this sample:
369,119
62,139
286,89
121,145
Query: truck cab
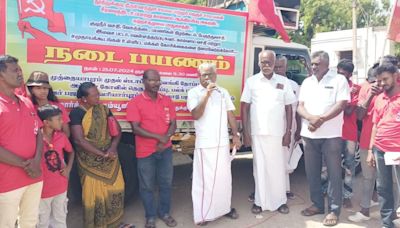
297,54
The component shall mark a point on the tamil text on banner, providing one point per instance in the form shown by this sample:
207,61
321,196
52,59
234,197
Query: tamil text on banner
112,42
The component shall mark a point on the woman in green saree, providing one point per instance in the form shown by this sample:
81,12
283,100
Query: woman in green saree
97,159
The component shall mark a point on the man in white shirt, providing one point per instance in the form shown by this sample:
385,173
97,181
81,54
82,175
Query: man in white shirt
281,68
266,106
212,109
323,97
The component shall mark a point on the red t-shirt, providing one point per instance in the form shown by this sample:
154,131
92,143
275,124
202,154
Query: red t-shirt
349,131
153,116
52,162
365,136
21,90
19,125
65,114
387,120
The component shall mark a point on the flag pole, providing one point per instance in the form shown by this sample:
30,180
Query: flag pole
388,28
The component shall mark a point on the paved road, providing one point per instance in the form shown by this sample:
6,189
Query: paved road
242,186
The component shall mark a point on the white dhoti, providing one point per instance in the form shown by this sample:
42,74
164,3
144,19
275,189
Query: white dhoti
211,184
269,170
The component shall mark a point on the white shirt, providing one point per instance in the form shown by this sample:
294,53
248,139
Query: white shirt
296,91
319,98
267,99
212,126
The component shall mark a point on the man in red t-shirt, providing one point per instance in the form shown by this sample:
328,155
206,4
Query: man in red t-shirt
20,150
153,120
384,151
366,102
349,131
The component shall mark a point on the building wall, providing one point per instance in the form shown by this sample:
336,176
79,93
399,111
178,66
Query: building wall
370,46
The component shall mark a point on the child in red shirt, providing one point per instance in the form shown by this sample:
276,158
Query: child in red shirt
53,205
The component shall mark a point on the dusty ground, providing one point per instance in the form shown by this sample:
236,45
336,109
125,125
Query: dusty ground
242,186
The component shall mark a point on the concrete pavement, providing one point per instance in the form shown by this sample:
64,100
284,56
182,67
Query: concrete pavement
242,186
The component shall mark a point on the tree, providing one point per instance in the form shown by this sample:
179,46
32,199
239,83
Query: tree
333,15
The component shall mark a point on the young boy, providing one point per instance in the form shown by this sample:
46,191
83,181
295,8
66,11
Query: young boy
53,205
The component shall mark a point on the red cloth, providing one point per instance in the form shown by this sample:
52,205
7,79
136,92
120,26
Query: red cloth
394,26
365,136
349,130
153,116
387,120
19,125
263,11
43,9
65,114
53,182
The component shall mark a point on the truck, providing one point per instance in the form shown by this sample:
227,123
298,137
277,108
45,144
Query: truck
111,43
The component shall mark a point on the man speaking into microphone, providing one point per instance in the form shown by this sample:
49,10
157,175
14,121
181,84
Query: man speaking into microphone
212,110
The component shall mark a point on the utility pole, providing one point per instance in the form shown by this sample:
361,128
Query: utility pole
355,40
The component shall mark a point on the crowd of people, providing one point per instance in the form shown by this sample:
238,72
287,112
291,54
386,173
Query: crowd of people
39,141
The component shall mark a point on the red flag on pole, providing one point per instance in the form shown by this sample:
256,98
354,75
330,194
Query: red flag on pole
263,11
43,9
394,23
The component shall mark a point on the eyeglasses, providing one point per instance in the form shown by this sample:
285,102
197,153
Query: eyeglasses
266,63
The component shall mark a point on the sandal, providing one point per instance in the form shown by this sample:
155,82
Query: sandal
310,211
330,219
251,197
256,209
232,214
150,223
169,221
283,209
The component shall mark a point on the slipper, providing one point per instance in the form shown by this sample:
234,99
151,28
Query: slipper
232,214
310,211
251,197
256,209
283,209
150,223
330,220
169,221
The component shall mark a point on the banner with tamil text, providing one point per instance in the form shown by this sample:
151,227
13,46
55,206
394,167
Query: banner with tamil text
111,43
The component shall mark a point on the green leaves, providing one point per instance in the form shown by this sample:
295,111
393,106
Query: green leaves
332,15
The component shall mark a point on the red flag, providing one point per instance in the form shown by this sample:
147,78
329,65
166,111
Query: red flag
263,11
43,9
394,26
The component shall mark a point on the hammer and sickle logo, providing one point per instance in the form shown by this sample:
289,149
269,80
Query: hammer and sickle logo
34,7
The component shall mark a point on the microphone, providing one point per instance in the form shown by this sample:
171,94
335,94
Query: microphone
215,88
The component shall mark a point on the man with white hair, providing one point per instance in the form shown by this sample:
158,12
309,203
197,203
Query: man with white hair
212,109
281,68
266,105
